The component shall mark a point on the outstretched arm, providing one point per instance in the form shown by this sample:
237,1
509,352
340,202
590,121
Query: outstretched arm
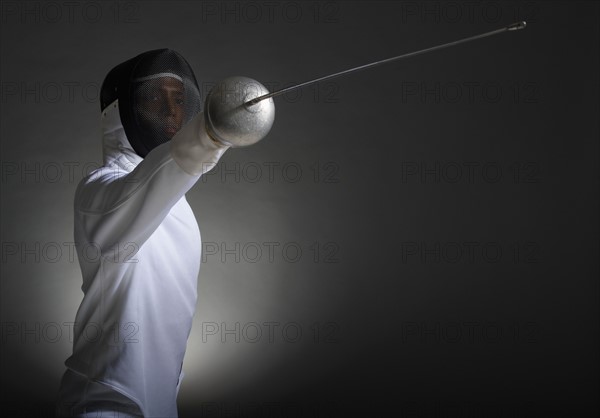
118,209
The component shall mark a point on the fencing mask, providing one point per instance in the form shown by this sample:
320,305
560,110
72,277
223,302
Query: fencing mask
158,94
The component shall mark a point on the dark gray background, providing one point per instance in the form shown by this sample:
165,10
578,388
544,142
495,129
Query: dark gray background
503,323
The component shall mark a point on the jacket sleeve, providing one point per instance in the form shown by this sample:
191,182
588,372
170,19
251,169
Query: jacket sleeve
118,209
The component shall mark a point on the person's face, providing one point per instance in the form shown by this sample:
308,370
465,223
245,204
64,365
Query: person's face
162,103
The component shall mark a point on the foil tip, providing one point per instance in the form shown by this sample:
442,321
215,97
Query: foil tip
517,25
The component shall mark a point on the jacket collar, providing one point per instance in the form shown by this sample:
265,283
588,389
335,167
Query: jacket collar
116,148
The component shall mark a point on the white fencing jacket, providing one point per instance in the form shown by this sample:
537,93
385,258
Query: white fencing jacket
138,245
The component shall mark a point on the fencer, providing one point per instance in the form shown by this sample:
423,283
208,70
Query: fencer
137,240
138,243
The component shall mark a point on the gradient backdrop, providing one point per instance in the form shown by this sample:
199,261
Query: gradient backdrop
416,240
